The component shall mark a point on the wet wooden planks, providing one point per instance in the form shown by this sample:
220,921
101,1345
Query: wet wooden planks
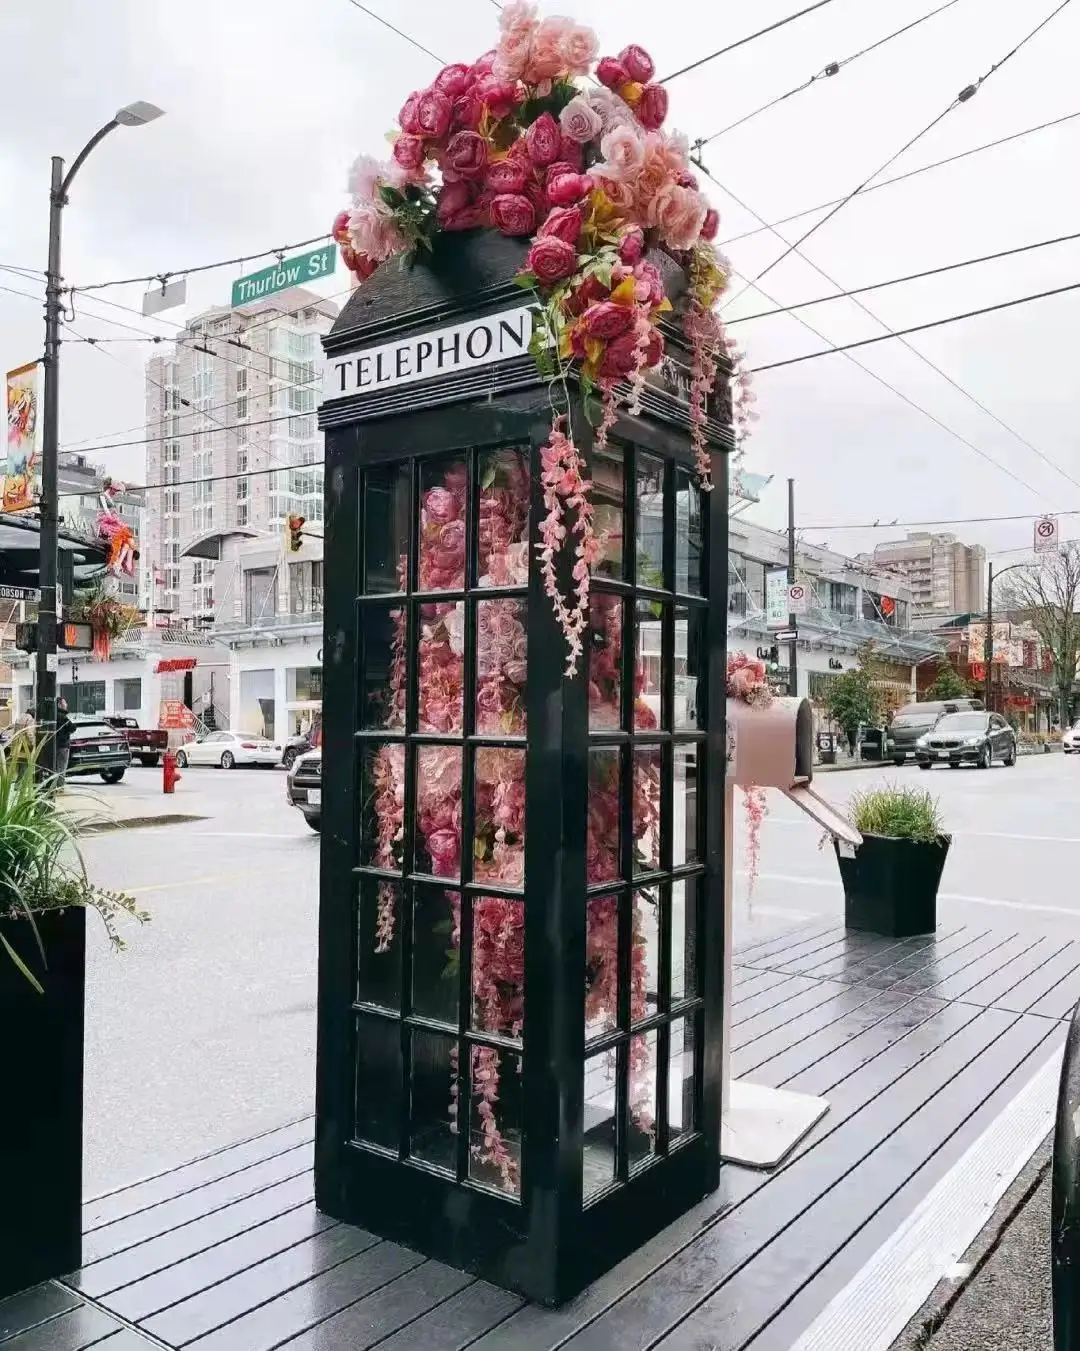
917,1045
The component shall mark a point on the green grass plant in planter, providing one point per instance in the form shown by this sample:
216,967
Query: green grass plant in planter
891,880
45,891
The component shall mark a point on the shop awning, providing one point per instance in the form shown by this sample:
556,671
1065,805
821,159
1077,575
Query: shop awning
20,552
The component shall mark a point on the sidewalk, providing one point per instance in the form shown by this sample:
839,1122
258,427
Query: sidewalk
97,807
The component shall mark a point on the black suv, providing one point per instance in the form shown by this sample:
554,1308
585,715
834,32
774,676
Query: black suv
303,787
967,738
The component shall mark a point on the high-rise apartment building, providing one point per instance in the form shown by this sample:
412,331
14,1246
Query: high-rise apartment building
945,576
232,440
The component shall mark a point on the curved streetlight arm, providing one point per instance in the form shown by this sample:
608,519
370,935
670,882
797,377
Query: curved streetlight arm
988,641
80,158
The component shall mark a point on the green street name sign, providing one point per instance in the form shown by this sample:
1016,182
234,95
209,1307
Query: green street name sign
296,271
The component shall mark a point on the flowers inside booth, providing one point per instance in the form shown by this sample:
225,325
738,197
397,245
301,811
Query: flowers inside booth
524,143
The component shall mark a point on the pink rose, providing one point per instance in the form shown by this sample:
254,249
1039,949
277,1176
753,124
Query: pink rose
537,197
711,224
546,52
484,65
584,294
458,208
648,285
542,140
506,176
564,189
632,246
687,180
611,73
517,24
340,228
678,215
468,112
409,152
443,847
624,154
572,153
440,507
466,155
654,349
579,48
551,259
563,222
454,80
610,109
513,214
407,118
579,121
357,263
499,96
652,107
618,193
621,356
433,112
374,232
608,319
637,63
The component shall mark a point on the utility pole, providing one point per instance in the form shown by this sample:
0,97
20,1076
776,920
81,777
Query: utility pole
988,645
793,646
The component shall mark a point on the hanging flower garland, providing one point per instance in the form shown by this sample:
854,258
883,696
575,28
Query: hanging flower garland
747,680
519,143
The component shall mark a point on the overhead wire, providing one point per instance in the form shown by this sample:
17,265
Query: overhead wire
206,267
740,42
400,32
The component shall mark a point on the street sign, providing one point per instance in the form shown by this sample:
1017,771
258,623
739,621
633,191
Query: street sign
1046,535
797,599
787,636
19,593
296,271
776,611
164,297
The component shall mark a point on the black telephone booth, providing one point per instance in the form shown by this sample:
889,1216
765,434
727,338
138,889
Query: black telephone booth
521,906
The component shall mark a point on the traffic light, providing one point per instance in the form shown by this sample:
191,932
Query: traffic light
294,532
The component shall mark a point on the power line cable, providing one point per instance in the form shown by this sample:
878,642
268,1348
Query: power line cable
826,72
964,96
941,520
205,267
400,32
742,42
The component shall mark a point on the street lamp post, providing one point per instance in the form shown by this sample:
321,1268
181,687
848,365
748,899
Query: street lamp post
988,641
133,115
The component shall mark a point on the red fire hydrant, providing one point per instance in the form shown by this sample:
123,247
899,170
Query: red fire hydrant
168,772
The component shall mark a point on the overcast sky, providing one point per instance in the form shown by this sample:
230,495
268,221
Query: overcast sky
268,102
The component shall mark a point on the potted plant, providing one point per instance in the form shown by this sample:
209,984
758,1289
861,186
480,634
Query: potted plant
44,894
891,880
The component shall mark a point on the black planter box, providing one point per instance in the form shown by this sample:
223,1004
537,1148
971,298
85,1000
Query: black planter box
891,885
42,1082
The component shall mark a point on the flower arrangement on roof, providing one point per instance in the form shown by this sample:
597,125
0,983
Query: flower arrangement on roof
747,680
518,142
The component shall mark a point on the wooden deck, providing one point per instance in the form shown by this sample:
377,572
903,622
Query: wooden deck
917,1045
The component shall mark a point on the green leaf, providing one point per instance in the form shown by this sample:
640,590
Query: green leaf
22,966
391,197
488,477
526,280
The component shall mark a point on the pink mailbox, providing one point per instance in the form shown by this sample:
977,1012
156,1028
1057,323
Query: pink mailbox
773,747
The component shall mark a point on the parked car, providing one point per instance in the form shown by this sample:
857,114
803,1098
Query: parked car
302,743
229,749
967,738
1071,740
915,720
147,745
303,787
97,748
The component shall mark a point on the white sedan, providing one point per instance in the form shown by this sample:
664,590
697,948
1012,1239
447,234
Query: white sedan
1071,740
229,749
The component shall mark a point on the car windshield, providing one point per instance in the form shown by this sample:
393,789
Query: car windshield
913,719
962,722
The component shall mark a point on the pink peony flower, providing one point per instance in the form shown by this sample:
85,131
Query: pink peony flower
564,189
546,58
407,118
484,65
571,153
358,263
433,112
542,141
551,259
499,96
579,120
678,215
364,177
513,214
465,156
648,285
610,109
652,107
579,49
457,207
537,198
608,319
711,224
374,233
637,63
563,222
654,348
454,80
517,25
506,176
621,195
632,246
468,112
409,152
624,154
440,506
620,356
611,73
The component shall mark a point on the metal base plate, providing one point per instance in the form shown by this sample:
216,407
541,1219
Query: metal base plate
761,1126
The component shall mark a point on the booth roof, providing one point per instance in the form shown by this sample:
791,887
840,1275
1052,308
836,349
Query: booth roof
19,551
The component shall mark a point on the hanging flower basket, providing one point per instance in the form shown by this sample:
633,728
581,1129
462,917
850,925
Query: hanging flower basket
107,616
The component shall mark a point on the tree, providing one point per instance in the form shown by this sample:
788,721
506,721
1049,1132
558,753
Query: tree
1047,593
948,683
852,698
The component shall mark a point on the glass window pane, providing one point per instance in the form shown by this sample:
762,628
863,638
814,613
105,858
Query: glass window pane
598,1153
649,506
609,496
382,806
646,808
440,668
442,525
689,535
645,955
648,675
382,667
605,661
684,830
501,670
603,838
681,1076
689,668
499,826
438,811
601,965
436,962
378,955
641,1137
503,552
433,1099
496,1119
684,976
498,966
386,528
378,1080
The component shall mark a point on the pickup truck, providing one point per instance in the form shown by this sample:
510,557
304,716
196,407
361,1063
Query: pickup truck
146,745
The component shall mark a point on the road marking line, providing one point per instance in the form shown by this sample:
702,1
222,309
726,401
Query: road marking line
193,882
967,834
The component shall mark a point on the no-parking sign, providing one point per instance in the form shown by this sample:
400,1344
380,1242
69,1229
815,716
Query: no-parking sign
797,599
1046,535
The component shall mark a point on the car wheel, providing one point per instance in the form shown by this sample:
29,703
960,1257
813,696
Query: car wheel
315,822
181,760
289,758
228,760
150,761
1010,756
986,757
898,761
926,766
111,775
